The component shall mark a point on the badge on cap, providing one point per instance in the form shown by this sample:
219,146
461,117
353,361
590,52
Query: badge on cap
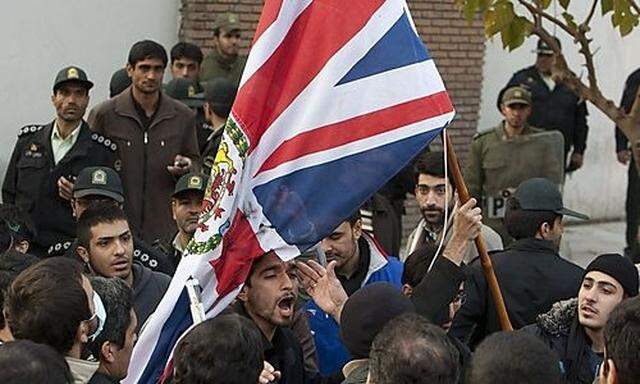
517,94
233,19
191,91
99,177
72,73
195,182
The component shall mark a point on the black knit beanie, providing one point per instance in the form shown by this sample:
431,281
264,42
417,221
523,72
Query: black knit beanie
618,267
366,312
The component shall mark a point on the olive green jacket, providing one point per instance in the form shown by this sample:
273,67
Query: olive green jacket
214,65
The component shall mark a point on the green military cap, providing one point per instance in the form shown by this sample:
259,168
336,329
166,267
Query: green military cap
229,21
191,182
70,74
185,91
98,181
516,95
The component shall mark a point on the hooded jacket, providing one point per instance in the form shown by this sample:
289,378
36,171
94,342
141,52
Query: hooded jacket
148,289
332,354
560,330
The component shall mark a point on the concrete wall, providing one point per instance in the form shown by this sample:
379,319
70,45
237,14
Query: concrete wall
41,37
599,188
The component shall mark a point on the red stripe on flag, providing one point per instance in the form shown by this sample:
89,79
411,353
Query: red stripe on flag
318,33
270,12
239,248
360,127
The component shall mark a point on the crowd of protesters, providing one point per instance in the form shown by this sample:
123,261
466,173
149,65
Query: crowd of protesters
97,213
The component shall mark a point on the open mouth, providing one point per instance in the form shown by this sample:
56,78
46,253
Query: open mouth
286,305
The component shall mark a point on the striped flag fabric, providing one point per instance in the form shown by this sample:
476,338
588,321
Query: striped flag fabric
336,97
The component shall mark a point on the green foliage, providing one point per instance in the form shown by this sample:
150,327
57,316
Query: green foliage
500,16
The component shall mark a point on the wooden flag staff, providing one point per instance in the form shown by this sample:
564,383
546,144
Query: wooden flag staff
487,267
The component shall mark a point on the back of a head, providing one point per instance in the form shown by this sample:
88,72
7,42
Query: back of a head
12,263
120,81
362,317
226,349
409,350
46,303
417,264
118,302
622,340
220,94
514,357
524,224
24,361
15,226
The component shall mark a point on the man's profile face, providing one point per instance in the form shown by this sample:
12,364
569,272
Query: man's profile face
186,210
431,192
70,101
271,291
111,249
122,355
185,68
598,296
227,42
146,75
341,245
516,114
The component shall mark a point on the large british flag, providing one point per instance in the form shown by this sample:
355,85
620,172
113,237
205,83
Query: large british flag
337,96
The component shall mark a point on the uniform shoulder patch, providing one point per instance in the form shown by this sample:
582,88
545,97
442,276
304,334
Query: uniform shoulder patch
29,129
103,140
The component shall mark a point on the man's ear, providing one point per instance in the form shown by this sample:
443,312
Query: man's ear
357,229
407,290
243,295
82,333
22,246
106,352
83,253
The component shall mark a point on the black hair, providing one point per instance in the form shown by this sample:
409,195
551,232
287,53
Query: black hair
416,265
622,340
46,303
354,217
432,164
99,212
118,302
410,350
186,50
147,49
514,357
524,224
225,349
23,361
12,263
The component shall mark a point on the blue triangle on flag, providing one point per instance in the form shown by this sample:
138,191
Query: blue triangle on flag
399,47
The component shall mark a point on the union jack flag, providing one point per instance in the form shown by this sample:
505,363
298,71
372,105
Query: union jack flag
337,96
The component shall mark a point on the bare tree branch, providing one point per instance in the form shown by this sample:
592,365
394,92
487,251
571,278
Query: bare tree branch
534,11
634,6
587,21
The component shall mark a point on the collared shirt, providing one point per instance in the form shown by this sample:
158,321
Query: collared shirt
354,282
142,114
176,244
61,146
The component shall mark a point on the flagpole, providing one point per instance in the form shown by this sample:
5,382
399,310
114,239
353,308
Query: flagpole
487,266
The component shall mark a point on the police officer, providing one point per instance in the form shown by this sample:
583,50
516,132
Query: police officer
185,208
624,155
47,158
186,91
503,157
555,106
103,184
224,59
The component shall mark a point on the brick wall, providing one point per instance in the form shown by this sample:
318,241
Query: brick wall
456,46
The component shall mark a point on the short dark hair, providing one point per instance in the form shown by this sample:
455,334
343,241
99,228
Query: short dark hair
523,224
118,302
354,217
46,303
12,263
416,265
227,349
147,49
432,163
410,350
14,225
622,340
23,361
99,212
514,357
186,50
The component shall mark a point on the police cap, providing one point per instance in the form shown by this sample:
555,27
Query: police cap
69,74
191,182
516,95
229,21
185,91
99,181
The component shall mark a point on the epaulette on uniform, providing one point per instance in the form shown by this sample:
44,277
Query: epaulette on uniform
98,138
483,133
28,129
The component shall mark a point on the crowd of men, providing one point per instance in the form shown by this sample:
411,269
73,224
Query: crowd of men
97,213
